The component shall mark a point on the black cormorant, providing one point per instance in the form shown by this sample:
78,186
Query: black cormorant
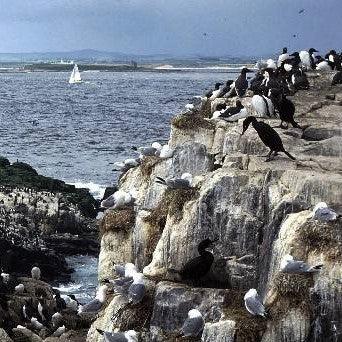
267,135
198,267
285,107
241,83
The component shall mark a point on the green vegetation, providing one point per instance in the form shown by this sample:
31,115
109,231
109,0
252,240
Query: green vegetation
23,175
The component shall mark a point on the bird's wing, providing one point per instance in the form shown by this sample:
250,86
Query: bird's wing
136,292
114,337
193,326
254,306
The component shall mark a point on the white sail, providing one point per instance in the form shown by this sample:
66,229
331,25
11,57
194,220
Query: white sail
75,76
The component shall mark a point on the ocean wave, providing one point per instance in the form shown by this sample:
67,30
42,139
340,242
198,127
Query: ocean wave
96,190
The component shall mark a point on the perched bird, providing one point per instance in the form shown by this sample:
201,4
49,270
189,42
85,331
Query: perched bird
229,85
232,114
198,267
177,183
96,304
59,331
285,107
193,325
253,303
36,324
262,106
241,83
35,273
307,58
137,289
322,212
299,79
323,65
217,92
126,164
117,200
60,302
42,311
283,57
166,152
289,265
267,135
19,289
56,319
211,92
128,336
271,64
5,277
119,270
70,302
337,79
149,151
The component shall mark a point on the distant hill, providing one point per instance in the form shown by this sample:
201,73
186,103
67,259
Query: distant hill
96,56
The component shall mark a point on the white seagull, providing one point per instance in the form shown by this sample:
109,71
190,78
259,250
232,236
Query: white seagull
253,303
289,265
193,325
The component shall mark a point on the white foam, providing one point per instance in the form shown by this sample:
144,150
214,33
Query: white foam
96,190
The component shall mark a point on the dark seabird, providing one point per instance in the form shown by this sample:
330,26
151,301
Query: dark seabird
289,265
227,88
295,61
268,136
337,79
233,113
301,11
323,65
284,56
148,151
177,183
210,92
60,302
198,267
307,58
299,79
285,107
253,303
241,83
193,325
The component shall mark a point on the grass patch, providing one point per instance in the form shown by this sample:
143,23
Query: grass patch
249,328
115,220
292,291
147,165
191,122
320,237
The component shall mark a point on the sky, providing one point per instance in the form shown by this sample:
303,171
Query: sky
176,27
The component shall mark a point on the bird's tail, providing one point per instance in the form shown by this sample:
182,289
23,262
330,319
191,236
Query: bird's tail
316,268
101,332
296,125
160,180
289,155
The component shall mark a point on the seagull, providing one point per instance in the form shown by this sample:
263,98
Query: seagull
289,265
96,304
5,277
137,289
126,164
19,289
177,183
321,212
253,303
117,200
36,324
193,325
149,151
35,273
128,336
71,302
59,331
166,152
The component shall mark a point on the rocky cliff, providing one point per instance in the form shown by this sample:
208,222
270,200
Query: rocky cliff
258,210
41,217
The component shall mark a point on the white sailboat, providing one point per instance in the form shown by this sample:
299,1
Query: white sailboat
75,76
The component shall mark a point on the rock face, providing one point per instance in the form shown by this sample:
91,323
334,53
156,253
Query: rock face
258,211
39,218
